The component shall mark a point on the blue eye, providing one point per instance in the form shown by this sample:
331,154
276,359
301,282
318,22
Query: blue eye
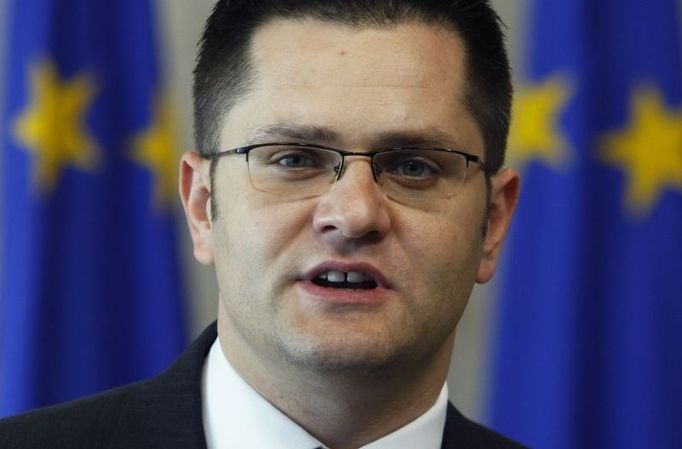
296,160
414,169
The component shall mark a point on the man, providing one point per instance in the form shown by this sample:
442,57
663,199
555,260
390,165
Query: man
348,190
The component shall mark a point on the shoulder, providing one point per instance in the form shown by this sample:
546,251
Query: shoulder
85,423
462,432
162,412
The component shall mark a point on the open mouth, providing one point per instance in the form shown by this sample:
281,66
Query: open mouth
352,280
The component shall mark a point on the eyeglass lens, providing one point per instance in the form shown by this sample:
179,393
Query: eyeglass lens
404,175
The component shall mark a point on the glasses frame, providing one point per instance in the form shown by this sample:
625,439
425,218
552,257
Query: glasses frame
470,158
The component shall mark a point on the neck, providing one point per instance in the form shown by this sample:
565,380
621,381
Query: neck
346,410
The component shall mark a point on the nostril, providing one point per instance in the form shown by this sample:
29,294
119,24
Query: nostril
373,237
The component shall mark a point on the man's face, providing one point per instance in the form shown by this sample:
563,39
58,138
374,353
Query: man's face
363,85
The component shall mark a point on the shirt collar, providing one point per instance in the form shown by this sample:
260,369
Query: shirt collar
235,415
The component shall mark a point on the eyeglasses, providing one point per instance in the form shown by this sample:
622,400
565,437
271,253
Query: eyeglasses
297,171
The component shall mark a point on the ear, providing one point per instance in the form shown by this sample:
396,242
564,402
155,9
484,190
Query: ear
195,193
504,195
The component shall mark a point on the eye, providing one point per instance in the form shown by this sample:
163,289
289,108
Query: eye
414,169
295,160
411,167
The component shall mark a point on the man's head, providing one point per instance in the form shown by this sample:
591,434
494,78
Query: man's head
360,76
225,71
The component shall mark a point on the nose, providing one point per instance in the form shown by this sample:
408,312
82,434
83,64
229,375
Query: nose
354,209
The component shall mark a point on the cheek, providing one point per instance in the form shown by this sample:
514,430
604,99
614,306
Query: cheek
256,231
274,229
245,221
444,254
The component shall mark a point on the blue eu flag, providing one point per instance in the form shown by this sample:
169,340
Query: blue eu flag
589,335
90,294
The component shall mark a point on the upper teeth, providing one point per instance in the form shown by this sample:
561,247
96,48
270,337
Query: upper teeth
340,276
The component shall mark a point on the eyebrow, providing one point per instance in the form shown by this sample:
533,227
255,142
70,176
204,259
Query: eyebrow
298,133
431,137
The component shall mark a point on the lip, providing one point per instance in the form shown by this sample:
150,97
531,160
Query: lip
340,296
362,267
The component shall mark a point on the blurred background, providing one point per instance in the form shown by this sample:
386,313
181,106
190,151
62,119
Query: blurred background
577,343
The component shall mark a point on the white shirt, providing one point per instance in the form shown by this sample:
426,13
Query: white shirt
236,416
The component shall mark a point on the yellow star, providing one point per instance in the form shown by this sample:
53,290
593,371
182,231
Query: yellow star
649,150
535,132
155,149
53,125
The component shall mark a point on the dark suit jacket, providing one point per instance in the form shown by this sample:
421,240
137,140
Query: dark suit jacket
165,413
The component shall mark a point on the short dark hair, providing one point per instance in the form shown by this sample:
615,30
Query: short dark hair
224,69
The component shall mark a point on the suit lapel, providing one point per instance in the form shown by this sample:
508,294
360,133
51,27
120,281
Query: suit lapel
166,412
463,433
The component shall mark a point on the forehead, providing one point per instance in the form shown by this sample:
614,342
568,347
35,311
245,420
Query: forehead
358,81
400,56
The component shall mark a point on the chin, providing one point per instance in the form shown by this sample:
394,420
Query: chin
347,353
